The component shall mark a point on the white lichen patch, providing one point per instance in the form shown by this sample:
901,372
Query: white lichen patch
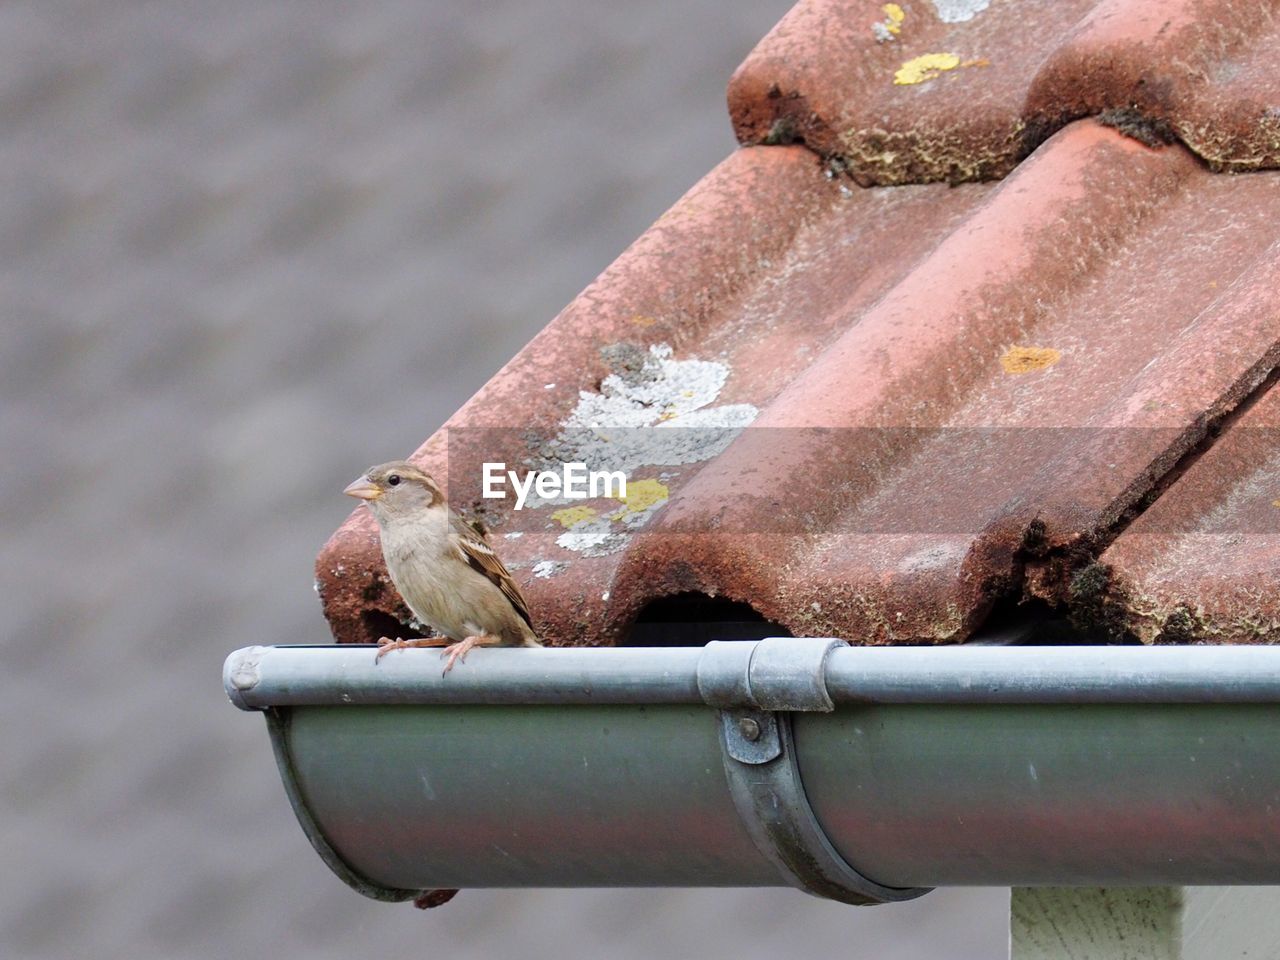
593,538
652,411
548,568
958,11
657,415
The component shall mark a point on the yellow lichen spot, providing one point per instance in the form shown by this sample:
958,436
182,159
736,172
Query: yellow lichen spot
572,516
889,28
640,320
925,67
643,494
667,415
1275,503
1026,359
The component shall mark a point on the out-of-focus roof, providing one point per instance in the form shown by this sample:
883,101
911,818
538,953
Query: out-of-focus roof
875,413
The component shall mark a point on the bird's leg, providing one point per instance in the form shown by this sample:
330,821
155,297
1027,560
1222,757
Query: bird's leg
458,651
386,644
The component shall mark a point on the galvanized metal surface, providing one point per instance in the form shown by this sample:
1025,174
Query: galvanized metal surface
772,804
1091,795
1179,787
351,674
787,673
1048,675
339,674
278,726
416,797
501,796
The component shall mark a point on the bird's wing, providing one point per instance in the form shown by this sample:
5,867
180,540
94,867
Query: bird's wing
476,551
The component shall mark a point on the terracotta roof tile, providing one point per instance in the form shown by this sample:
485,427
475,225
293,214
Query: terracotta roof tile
1203,563
715,277
882,410
964,89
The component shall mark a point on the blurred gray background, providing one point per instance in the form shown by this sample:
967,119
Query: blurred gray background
249,249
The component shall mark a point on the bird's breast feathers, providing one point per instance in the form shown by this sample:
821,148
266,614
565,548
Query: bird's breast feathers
442,588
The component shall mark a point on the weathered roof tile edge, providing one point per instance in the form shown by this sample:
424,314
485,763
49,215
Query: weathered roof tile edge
989,89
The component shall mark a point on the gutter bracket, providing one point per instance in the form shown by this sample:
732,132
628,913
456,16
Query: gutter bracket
778,673
757,686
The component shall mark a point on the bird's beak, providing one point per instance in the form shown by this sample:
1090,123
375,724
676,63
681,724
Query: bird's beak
363,489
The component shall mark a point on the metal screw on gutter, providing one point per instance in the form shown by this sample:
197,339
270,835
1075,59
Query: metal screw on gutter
749,728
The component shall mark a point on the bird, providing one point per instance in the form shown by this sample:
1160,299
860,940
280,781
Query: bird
445,569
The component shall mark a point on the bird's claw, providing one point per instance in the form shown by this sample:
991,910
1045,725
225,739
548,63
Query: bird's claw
452,651
385,645
458,651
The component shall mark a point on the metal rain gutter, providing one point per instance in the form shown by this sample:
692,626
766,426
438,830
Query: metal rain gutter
862,774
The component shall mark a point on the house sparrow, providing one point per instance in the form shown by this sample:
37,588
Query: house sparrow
444,569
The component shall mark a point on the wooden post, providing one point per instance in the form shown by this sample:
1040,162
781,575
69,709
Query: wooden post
1144,923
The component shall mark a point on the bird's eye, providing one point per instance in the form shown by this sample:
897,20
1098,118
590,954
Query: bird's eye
393,480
